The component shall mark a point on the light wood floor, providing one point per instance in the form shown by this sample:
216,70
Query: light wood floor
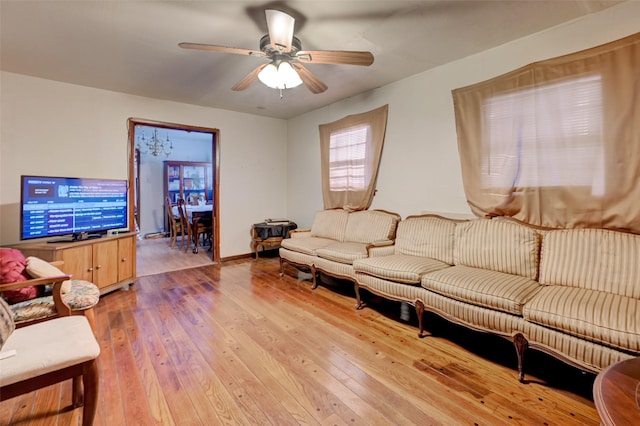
237,345
155,256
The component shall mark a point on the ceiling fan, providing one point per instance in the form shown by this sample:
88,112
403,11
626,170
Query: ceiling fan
284,51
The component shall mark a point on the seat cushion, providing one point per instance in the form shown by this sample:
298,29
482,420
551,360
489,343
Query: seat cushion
399,267
343,252
490,289
589,314
34,309
48,346
82,295
307,245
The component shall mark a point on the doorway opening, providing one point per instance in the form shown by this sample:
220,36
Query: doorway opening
148,173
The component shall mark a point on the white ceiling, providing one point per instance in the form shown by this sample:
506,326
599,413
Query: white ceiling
132,46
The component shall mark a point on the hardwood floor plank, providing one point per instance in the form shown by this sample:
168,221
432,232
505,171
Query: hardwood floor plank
6,410
158,406
169,387
44,404
25,409
110,408
235,344
129,373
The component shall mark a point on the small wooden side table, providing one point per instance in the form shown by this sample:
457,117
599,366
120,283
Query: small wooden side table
269,236
616,393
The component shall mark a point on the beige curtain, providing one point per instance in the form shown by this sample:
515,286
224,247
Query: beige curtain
556,143
349,181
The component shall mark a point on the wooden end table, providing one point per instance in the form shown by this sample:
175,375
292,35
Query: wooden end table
269,236
616,393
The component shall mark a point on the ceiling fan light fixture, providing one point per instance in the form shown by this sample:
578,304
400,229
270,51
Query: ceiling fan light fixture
281,76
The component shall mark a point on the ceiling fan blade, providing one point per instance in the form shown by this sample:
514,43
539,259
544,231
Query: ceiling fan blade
344,57
312,82
249,78
280,27
224,49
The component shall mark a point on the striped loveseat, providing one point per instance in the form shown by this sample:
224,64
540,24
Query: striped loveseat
574,294
336,239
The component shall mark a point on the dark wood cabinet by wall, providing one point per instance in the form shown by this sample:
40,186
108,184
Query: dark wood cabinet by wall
185,178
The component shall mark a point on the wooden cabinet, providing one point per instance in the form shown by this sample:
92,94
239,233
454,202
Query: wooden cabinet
108,262
126,258
185,178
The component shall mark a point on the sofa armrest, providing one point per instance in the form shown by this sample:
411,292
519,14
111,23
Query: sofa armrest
381,243
298,233
381,248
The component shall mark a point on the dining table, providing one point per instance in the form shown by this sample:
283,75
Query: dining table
195,213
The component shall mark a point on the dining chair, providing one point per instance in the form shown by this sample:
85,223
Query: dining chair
175,224
195,226
185,223
203,225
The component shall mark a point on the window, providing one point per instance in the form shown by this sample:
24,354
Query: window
544,137
556,143
350,151
347,155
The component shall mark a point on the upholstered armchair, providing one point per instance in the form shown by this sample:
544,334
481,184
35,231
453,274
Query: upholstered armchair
63,296
49,352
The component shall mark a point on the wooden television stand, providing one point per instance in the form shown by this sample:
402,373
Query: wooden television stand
108,262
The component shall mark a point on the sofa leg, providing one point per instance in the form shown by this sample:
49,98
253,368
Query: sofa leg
521,344
419,304
314,277
281,268
356,287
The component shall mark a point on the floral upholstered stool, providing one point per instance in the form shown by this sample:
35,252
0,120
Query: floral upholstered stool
81,297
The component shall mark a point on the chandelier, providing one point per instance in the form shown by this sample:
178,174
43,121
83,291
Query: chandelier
154,145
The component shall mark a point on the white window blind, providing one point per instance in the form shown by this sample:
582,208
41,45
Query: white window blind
544,137
347,159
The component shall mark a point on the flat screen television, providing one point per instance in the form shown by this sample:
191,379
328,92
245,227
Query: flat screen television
76,208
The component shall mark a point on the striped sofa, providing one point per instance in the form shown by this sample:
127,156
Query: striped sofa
574,294
336,239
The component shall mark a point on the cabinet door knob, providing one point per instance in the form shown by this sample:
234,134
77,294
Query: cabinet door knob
124,259
98,267
91,269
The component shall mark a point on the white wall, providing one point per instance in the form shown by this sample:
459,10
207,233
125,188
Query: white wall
420,169
52,128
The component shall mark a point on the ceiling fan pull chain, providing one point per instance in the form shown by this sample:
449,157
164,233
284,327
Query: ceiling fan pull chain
281,95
